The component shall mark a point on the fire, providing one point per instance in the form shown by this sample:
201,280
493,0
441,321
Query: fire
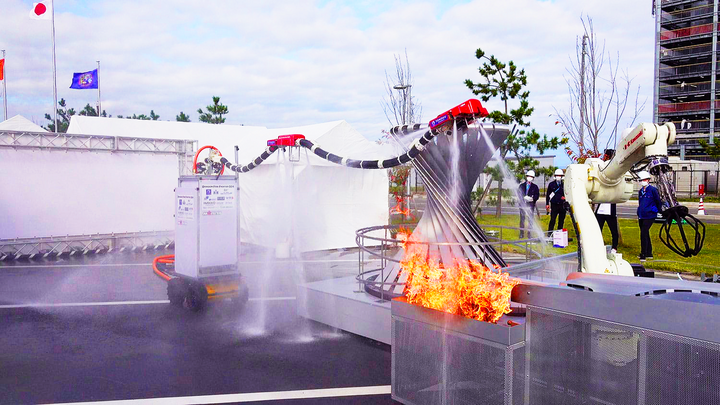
397,209
466,288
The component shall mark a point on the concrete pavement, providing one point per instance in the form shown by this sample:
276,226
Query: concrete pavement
100,328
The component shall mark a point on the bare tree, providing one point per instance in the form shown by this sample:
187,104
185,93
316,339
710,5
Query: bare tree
599,97
399,106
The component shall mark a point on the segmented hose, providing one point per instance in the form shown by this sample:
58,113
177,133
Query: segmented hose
417,147
255,163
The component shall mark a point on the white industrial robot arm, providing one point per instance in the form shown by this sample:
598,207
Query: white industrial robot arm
596,181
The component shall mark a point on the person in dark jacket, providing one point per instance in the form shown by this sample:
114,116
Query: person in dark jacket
607,213
555,201
529,193
649,204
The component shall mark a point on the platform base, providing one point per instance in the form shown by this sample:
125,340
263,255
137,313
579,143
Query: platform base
340,303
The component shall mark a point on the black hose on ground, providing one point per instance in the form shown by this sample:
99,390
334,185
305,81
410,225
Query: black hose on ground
417,147
255,163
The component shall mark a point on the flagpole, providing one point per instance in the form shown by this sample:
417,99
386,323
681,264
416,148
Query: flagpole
55,105
4,86
99,111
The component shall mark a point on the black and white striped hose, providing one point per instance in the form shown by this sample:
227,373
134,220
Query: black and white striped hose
415,149
255,163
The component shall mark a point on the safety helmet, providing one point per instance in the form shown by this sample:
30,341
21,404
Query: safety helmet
559,172
644,175
530,173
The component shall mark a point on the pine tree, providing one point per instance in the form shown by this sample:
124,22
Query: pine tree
63,121
505,81
182,117
215,112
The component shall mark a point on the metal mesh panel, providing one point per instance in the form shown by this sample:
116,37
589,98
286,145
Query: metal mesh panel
574,359
437,366
417,374
682,371
475,371
518,375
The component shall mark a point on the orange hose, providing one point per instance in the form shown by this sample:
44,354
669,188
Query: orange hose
163,259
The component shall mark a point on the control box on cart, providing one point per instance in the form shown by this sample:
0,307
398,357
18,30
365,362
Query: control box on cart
206,227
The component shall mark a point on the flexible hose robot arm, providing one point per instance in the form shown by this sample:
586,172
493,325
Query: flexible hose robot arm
255,163
460,115
417,147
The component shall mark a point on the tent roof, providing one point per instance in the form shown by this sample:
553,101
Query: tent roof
20,123
337,137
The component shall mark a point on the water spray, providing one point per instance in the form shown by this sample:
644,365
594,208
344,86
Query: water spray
190,281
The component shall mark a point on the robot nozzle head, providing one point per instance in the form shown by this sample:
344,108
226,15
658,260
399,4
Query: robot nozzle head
659,165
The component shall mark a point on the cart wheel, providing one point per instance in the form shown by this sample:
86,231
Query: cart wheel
175,291
196,297
243,296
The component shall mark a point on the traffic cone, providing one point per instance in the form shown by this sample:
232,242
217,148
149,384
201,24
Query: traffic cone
701,207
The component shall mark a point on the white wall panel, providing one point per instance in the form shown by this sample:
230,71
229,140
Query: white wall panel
57,193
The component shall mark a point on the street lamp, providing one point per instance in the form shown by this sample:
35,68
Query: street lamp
407,102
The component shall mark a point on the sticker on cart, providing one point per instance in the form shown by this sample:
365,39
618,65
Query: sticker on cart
185,208
217,198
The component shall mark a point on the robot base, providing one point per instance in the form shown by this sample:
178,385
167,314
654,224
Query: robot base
194,295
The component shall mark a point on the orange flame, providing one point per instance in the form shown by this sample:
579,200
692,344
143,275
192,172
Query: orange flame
397,209
466,288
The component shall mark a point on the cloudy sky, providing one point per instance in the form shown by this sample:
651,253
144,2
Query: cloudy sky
288,63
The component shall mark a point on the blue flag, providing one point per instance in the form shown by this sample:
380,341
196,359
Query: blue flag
85,80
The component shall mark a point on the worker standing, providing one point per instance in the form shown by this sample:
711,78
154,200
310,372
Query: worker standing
530,193
555,201
649,204
607,212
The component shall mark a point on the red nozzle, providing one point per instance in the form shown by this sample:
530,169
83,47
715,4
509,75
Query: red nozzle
469,110
285,140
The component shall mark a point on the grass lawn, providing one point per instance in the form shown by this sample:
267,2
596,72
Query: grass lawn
708,261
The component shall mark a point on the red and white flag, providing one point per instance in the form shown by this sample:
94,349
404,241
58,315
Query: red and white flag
42,10
2,69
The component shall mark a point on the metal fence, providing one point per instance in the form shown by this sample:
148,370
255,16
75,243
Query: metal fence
687,182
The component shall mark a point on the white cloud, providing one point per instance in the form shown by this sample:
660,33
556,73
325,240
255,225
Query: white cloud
290,63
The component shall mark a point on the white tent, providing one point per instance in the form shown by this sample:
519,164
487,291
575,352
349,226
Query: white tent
20,123
312,203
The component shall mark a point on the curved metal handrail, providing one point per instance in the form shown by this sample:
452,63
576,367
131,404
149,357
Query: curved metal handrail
367,278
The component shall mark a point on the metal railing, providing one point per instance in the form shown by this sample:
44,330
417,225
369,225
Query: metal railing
686,126
31,248
686,107
669,71
183,148
683,88
685,51
686,32
385,246
685,13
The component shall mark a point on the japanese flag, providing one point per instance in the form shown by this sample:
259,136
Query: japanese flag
42,10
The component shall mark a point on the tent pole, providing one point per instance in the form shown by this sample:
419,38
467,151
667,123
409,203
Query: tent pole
4,86
55,106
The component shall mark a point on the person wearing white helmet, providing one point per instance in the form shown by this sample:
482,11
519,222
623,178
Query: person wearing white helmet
555,201
529,194
649,204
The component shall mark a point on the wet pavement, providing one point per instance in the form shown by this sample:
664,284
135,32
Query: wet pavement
99,328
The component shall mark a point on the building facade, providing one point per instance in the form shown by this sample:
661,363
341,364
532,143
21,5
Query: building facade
685,72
